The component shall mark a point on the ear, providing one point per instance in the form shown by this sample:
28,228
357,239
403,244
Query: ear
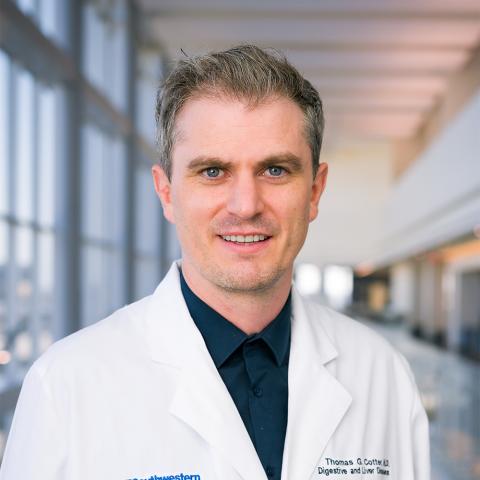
318,187
164,191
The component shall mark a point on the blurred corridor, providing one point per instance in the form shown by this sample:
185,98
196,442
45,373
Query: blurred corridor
397,240
450,388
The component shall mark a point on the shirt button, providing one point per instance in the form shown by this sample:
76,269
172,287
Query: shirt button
249,351
258,391
269,471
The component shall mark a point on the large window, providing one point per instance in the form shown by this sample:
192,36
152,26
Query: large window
4,194
27,228
148,221
103,224
4,131
149,71
49,16
105,58
80,225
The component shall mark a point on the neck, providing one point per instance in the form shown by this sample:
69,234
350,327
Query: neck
249,311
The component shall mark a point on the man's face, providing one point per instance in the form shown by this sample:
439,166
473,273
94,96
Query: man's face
241,193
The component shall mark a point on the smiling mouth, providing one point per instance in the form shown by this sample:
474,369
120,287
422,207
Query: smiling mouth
245,238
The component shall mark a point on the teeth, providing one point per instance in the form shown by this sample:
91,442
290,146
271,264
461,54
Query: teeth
244,238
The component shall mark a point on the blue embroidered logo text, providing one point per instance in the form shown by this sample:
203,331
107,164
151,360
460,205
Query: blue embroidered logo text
179,476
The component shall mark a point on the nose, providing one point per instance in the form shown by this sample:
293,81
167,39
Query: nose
245,197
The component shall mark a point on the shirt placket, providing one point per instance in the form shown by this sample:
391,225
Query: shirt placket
257,363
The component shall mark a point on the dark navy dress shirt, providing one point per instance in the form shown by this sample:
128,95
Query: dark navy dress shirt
254,369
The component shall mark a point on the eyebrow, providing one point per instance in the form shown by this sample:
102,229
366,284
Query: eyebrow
288,159
292,161
204,162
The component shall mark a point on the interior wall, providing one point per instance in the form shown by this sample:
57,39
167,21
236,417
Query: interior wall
438,198
402,288
462,86
349,225
463,282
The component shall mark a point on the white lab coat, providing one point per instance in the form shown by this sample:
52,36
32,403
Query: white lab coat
137,396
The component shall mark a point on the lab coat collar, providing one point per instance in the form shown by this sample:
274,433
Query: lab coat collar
201,399
223,338
171,334
317,401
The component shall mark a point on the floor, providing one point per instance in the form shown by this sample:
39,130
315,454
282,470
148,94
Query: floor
450,387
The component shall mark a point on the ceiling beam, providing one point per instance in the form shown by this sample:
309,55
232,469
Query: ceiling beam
274,14
407,72
408,10
373,109
173,47
310,38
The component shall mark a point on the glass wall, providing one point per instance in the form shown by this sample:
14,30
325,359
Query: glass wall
147,232
103,224
80,225
149,68
4,203
49,17
105,49
27,228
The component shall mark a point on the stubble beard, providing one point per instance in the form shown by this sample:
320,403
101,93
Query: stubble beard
243,282
244,277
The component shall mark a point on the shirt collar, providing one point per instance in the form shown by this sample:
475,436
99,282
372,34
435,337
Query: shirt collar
223,337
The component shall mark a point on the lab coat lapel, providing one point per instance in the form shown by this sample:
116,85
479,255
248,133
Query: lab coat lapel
317,401
201,399
203,402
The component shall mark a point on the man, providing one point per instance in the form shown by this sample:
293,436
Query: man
224,372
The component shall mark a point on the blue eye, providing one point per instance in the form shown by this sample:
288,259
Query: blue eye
212,172
275,171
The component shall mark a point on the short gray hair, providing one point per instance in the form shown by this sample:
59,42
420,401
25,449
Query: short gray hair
245,72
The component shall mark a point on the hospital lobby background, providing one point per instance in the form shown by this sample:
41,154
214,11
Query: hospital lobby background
397,241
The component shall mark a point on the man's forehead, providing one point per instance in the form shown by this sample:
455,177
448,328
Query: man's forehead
203,109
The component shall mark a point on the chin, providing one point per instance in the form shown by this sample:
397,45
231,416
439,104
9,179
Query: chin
248,282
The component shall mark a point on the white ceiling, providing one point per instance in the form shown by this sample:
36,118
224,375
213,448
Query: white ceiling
380,65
